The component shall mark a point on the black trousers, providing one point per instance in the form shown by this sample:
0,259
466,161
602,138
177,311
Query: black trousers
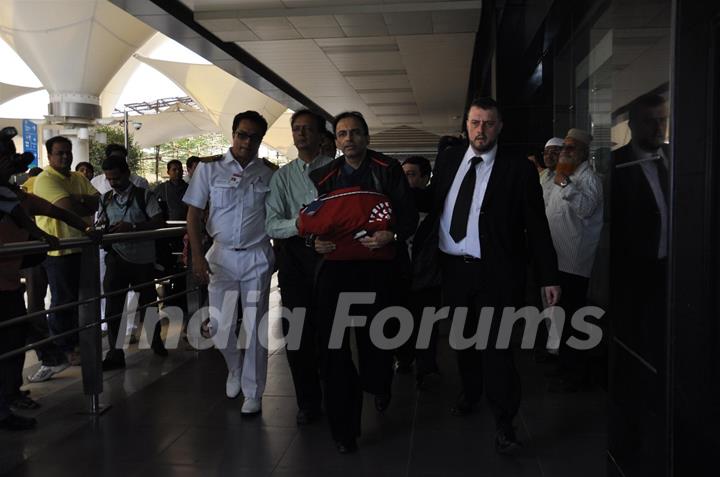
12,337
297,269
36,282
119,274
418,300
574,364
344,385
492,370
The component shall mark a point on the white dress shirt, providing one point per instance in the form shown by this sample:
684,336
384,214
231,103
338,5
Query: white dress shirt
237,200
575,217
470,245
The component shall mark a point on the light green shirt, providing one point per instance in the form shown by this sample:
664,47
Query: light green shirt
290,190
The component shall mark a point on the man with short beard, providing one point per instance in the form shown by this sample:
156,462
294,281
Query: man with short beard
488,218
639,239
550,157
290,190
575,214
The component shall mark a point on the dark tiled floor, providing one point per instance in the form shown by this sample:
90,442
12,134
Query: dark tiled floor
170,418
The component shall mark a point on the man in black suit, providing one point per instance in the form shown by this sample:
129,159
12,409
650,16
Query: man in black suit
639,230
489,214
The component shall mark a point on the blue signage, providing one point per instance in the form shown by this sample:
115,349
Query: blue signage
30,139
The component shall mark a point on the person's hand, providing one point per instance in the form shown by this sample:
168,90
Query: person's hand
377,240
559,178
120,227
324,246
52,241
201,269
552,294
93,234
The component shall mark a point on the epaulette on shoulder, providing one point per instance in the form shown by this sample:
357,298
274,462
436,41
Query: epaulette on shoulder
271,164
214,158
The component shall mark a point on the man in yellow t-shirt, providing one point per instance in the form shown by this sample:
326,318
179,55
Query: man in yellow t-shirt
71,191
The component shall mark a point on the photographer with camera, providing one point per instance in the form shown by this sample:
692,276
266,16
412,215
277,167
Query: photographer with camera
16,225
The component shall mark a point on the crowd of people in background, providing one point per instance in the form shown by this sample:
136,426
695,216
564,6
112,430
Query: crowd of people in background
459,233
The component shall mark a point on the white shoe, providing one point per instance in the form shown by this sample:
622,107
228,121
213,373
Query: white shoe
232,385
251,406
44,373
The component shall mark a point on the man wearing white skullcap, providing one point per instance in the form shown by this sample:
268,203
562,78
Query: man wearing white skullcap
575,215
550,158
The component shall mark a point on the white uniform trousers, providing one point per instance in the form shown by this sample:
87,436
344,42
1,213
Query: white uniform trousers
243,274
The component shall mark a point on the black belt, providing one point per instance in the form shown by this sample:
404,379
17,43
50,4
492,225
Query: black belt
463,258
240,249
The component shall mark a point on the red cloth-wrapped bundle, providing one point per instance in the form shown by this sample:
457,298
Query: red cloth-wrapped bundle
345,215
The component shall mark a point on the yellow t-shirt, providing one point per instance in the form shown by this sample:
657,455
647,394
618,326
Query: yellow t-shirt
28,185
52,186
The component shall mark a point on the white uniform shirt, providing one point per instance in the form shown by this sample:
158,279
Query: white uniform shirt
101,184
237,200
575,217
470,245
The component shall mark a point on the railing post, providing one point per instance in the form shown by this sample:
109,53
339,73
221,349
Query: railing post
91,338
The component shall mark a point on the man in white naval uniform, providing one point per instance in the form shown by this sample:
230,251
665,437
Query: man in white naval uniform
241,260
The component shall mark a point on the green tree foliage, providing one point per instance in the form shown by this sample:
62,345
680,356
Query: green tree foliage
115,134
205,145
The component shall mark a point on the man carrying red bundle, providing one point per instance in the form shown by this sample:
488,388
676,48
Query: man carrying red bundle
347,269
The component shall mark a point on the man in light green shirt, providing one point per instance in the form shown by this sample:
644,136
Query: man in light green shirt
290,190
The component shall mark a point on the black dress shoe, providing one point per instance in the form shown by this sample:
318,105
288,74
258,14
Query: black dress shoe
307,416
382,401
13,422
506,442
463,406
346,447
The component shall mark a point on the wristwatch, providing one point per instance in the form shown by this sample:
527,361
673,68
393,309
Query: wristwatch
565,182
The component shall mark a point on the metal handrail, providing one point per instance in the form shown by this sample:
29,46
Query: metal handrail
88,305
52,338
29,316
37,246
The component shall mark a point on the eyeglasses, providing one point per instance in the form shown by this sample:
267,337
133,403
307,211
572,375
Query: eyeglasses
243,136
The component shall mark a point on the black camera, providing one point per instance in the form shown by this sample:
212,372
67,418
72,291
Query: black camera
20,162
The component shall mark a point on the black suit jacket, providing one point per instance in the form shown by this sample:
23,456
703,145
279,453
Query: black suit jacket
635,214
513,225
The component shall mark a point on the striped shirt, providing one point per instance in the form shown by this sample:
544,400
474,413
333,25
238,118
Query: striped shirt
575,216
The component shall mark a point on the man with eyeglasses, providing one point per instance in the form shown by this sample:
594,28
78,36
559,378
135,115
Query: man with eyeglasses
290,190
73,192
575,215
240,262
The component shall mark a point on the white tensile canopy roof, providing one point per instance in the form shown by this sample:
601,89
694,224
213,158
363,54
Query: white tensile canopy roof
177,122
222,96
72,47
11,91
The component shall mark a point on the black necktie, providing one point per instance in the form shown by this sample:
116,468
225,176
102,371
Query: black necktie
461,211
